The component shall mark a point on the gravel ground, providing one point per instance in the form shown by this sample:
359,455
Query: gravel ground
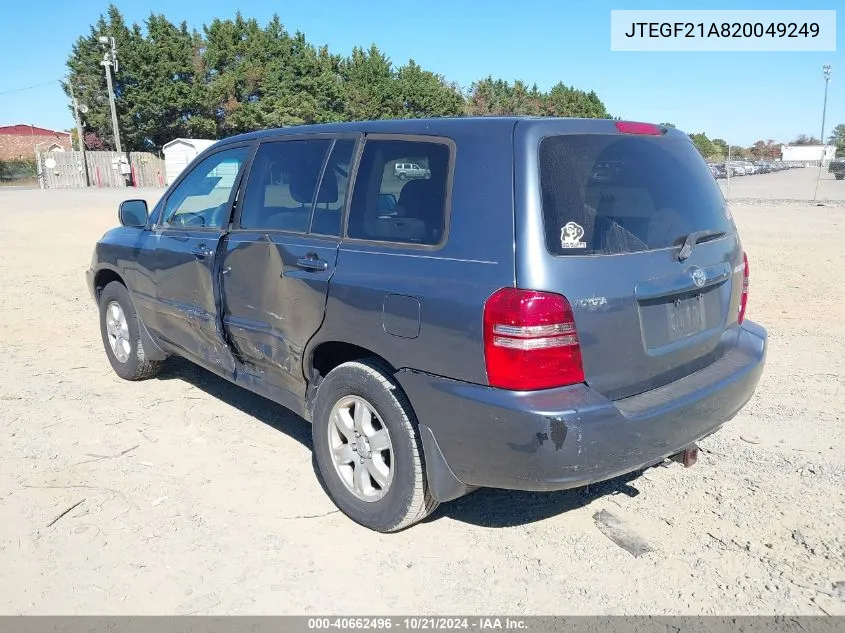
795,184
193,496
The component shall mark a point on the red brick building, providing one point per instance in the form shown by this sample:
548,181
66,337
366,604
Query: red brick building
20,141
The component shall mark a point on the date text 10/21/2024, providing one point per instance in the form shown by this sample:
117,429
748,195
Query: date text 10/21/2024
425,623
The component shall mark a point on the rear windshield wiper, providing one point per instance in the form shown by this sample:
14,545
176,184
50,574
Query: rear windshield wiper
694,238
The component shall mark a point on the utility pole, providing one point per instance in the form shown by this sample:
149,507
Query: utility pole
110,64
77,108
826,71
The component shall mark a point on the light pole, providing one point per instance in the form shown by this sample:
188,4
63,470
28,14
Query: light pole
826,71
110,64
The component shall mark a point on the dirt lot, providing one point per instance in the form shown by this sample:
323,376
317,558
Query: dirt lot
795,184
197,497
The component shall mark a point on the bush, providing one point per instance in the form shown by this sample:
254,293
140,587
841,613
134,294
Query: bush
20,169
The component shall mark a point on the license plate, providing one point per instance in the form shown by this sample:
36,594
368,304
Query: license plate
686,317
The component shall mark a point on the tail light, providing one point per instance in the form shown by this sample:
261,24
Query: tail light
530,341
743,301
634,127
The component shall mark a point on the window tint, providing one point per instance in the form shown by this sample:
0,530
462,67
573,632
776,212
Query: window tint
329,209
282,183
201,199
400,192
606,194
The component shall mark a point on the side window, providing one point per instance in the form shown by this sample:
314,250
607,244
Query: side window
202,198
329,209
400,192
282,183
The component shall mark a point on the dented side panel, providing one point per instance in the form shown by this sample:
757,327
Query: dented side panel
271,305
186,297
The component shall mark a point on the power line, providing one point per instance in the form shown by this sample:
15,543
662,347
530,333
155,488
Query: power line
46,83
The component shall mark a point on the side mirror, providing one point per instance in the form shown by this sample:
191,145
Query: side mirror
133,213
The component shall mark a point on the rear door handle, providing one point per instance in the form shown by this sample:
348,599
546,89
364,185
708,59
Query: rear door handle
201,252
312,262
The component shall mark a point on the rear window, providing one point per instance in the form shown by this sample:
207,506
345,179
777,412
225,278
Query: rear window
609,194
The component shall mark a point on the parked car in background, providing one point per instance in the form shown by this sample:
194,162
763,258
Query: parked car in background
837,168
738,168
468,335
410,170
719,170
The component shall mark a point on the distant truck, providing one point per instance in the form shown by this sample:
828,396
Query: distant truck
837,168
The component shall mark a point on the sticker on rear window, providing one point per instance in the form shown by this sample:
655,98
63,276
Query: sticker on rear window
570,236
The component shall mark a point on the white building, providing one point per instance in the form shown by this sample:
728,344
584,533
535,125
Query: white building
179,152
808,153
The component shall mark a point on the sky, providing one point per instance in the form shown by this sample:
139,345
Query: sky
740,97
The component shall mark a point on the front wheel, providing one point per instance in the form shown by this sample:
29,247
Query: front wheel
368,451
121,332
839,176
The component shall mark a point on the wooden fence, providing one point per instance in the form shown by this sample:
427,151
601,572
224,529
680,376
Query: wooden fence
57,170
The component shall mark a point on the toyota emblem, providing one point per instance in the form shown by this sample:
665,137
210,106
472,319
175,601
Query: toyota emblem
698,277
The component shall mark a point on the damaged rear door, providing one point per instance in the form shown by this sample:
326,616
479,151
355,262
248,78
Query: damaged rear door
194,219
281,254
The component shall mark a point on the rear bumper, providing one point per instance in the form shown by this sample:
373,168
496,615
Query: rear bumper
573,436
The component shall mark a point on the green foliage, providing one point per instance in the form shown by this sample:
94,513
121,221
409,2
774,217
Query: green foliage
499,97
19,169
704,145
720,147
667,125
237,75
837,137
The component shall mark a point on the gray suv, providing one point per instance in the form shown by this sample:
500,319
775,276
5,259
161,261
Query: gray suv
560,302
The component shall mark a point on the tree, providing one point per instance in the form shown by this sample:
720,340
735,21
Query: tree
568,101
837,137
370,90
704,145
803,139
720,147
672,125
88,79
423,93
499,97
93,142
764,150
157,88
237,75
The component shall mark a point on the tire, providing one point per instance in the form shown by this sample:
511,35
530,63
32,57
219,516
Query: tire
402,176
135,366
839,176
405,499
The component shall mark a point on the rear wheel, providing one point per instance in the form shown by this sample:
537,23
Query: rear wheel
402,176
839,176
367,448
121,334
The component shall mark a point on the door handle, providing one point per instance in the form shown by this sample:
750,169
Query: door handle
201,252
312,262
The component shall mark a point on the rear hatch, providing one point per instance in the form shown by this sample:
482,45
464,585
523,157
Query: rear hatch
604,211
